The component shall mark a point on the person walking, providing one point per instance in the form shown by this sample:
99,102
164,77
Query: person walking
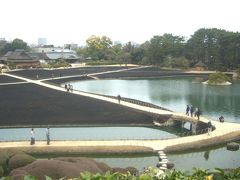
48,135
209,127
32,137
198,113
119,98
221,119
71,88
187,110
191,110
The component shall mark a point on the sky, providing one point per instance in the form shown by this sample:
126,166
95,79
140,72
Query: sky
73,21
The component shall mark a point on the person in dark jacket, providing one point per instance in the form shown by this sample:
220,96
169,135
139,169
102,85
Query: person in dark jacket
198,113
191,111
187,110
48,135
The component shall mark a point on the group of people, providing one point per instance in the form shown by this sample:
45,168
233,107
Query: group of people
47,131
193,112
68,87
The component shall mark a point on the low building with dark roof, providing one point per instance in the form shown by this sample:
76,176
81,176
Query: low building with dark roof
20,59
200,66
69,57
40,56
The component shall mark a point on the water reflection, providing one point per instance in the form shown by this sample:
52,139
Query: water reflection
206,155
175,94
86,133
210,159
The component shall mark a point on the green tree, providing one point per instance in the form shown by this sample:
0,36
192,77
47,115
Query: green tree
19,44
82,52
163,46
15,44
98,47
217,48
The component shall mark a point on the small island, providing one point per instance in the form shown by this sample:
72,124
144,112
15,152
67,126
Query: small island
218,78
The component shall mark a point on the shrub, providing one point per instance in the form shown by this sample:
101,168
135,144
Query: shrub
20,160
3,161
1,171
238,72
151,174
57,64
11,65
102,62
217,78
178,62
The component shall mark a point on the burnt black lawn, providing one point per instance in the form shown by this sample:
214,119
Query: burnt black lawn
29,104
7,79
144,72
44,74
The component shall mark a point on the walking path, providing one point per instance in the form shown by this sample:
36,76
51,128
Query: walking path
224,131
94,74
5,84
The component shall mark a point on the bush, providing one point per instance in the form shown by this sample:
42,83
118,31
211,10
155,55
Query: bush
101,62
238,72
178,62
57,64
152,174
11,65
1,171
3,161
19,160
218,78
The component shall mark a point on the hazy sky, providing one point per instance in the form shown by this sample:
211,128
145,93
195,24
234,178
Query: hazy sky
73,21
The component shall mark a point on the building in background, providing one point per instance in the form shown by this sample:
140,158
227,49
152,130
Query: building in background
48,55
20,59
71,46
42,41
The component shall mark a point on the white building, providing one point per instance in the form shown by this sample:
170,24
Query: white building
42,41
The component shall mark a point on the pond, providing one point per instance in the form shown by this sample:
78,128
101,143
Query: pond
209,158
173,93
86,133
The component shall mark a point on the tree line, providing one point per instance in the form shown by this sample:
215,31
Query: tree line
218,49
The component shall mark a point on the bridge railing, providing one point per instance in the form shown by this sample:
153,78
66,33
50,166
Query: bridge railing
130,100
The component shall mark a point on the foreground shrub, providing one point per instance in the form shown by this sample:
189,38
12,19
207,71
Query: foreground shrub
151,174
20,160
3,162
1,171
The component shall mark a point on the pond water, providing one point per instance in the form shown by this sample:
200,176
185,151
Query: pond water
210,158
85,133
173,93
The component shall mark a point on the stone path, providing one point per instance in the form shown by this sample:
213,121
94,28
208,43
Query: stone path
94,74
222,132
5,84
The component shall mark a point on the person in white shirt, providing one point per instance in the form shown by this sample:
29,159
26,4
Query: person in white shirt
32,137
